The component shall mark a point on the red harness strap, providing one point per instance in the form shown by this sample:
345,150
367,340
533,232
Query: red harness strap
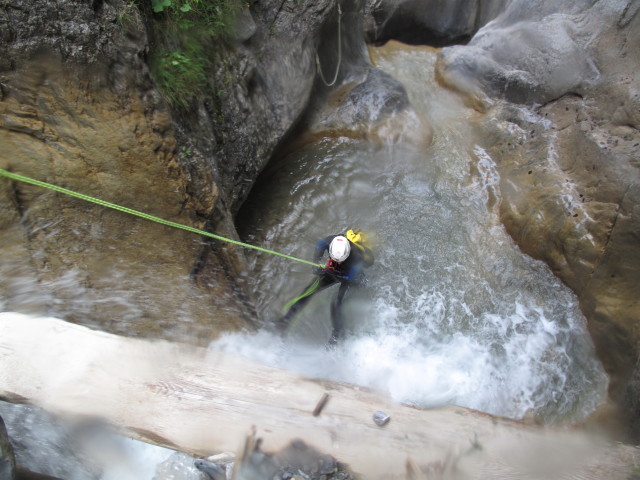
331,264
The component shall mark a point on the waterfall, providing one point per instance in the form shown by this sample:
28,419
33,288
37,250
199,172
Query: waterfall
453,312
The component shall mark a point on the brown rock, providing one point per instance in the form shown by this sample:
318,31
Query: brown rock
570,179
92,265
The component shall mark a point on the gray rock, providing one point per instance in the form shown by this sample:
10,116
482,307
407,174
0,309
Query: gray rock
380,418
533,53
428,22
273,76
243,25
79,31
7,459
327,465
296,461
212,470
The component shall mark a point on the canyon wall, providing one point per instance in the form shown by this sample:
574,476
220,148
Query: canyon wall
82,107
561,95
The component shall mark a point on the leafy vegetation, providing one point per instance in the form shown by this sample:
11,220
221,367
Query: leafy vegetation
213,17
180,74
186,31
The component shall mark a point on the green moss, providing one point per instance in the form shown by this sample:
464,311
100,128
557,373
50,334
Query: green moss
212,17
187,33
180,74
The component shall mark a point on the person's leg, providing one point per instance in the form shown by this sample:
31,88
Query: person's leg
337,320
298,303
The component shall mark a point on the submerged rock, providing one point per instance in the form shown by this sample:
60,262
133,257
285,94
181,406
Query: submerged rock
376,109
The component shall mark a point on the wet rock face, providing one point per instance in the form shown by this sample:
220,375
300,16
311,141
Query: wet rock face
428,22
569,202
632,404
79,109
263,84
82,32
7,459
533,52
566,145
63,256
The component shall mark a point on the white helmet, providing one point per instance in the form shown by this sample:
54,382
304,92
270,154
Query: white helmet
339,249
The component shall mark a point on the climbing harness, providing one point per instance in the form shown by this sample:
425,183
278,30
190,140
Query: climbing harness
21,178
331,264
335,77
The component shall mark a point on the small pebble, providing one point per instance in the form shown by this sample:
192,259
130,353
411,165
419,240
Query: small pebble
381,418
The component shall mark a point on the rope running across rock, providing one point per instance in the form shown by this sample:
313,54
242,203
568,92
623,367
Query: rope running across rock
21,178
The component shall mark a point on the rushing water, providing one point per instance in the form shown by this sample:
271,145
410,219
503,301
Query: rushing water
453,312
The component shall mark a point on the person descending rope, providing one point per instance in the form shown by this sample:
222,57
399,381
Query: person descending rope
349,255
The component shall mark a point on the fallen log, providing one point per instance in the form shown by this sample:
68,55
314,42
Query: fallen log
204,402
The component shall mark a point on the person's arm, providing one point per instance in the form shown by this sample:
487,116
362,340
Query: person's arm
321,247
354,273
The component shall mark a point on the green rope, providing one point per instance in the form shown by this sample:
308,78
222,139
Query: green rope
306,293
146,216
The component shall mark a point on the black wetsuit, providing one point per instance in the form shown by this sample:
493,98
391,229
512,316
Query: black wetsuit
347,273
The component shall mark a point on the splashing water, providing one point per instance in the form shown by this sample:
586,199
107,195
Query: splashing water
453,313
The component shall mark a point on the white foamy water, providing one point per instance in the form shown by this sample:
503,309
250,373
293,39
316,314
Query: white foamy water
503,364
